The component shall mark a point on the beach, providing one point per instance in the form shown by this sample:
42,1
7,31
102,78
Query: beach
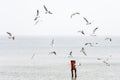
60,71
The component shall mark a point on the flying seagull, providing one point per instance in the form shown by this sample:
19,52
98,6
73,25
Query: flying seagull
70,54
107,64
87,22
10,36
83,51
52,42
37,15
93,33
9,33
53,52
89,44
108,39
82,32
95,30
74,14
47,10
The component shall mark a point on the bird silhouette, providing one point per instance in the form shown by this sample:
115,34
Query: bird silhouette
70,54
81,32
87,22
83,51
53,52
9,33
47,11
93,33
108,39
89,44
10,36
37,15
76,13
52,42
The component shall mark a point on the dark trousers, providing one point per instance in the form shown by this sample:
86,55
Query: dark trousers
74,72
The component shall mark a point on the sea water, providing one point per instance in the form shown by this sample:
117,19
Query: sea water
16,62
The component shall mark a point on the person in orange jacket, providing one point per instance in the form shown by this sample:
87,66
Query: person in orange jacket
73,68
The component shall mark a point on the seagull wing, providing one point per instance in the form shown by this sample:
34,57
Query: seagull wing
36,22
35,18
13,37
9,33
95,30
84,53
82,49
74,14
37,13
45,8
50,12
85,19
110,39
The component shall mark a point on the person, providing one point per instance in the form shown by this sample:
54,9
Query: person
73,68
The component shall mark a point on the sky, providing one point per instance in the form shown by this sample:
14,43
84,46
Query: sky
17,17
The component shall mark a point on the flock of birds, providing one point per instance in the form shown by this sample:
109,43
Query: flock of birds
36,19
80,31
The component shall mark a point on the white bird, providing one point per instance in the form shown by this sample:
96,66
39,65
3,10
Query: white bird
70,54
47,10
83,51
108,39
94,30
81,32
107,64
87,22
52,42
53,52
9,33
10,36
37,15
89,44
76,13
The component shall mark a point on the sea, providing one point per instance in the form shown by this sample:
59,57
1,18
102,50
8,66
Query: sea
29,58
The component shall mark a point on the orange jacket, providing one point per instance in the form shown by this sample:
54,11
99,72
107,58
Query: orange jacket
73,64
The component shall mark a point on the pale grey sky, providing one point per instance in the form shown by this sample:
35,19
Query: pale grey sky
17,17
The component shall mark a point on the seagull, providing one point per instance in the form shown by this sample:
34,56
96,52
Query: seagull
89,44
83,51
108,39
33,56
47,10
70,54
107,64
87,22
95,30
74,14
53,52
37,15
9,33
10,36
52,42
82,32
